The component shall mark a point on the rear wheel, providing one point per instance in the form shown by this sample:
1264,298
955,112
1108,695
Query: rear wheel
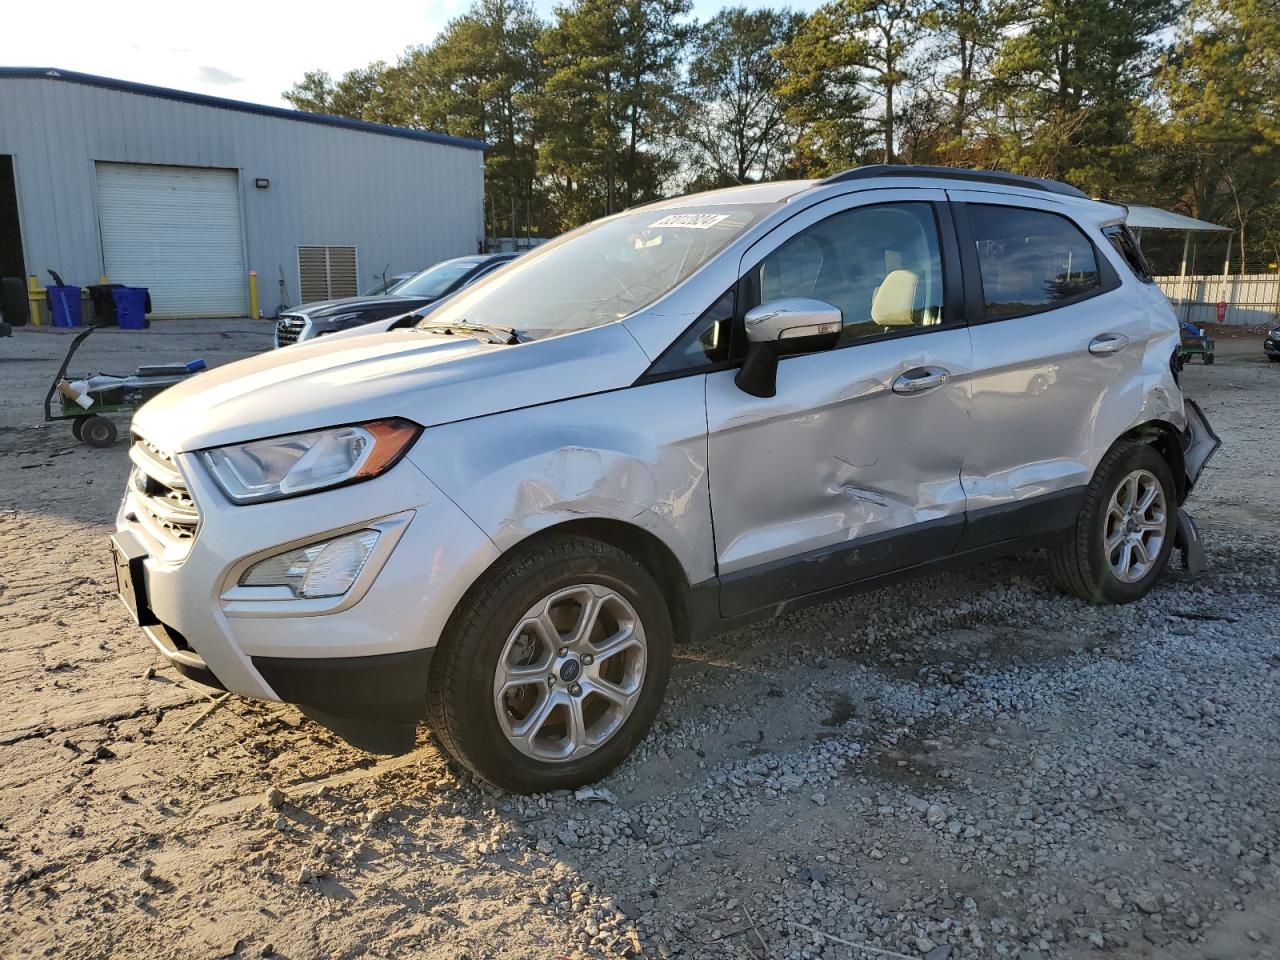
554,669
76,425
97,431
1124,533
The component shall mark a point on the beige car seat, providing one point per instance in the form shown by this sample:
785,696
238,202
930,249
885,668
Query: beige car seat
894,302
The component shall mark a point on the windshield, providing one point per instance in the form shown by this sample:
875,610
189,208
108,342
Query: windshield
385,286
434,281
600,273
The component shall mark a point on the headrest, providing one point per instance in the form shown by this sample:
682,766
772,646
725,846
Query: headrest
894,303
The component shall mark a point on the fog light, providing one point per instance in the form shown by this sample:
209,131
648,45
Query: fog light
324,569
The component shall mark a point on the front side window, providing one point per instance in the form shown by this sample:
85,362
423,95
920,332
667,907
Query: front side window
602,272
879,264
703,344
1031,260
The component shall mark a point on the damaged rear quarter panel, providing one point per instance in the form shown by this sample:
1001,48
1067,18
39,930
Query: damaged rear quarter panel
636,455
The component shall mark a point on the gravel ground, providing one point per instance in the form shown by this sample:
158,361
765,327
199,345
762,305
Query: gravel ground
967,766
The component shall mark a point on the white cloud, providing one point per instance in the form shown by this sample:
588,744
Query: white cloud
210,74
260,47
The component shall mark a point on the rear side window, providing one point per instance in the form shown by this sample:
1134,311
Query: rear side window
1031,260
1127,246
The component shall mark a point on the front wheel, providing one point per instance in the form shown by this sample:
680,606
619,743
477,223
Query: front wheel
1124,533
554,668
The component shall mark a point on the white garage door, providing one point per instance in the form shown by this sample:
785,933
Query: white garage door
177,232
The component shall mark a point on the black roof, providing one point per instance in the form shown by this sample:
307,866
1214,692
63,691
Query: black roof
182,96
956,173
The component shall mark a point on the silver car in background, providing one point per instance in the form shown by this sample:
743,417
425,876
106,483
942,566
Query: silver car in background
688,416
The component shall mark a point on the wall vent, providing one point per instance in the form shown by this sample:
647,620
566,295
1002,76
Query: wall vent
327,273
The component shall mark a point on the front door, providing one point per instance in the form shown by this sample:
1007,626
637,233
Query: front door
853,468
1059,355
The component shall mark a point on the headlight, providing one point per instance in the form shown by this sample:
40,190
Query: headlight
305,462
325,569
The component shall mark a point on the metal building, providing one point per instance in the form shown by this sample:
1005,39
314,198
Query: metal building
186,194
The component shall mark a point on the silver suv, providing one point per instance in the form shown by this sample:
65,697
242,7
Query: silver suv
672,421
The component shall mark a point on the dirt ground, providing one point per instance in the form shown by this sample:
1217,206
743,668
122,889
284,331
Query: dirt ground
966,766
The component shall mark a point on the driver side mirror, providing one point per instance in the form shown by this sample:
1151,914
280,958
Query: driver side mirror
780,328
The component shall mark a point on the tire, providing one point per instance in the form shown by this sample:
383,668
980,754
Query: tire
14,305
1081,565
76,427
492,630
97,431
1273,359
1208,359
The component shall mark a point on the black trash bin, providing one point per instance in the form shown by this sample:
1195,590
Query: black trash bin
104,305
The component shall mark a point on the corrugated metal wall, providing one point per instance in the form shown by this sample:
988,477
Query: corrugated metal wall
401,202
1252,299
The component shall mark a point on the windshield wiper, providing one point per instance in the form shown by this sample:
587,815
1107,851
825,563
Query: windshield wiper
496,332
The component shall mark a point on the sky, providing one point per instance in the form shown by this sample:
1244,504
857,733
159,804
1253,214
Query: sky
241,49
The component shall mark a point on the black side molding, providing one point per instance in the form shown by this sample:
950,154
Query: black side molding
868,563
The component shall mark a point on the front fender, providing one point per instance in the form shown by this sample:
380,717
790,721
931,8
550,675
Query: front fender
636,455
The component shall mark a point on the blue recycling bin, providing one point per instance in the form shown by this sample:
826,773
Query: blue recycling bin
131,307
64,305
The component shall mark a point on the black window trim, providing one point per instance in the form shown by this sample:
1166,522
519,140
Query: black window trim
975,296
734,359
1143,275
954,312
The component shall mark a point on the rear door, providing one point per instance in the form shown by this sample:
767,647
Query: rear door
853,468
1058,355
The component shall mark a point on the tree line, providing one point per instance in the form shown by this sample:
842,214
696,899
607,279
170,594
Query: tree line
612,103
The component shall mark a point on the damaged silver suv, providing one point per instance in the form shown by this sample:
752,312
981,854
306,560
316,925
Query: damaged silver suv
685,417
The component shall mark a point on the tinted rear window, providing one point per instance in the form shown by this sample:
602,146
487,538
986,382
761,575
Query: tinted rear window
1031,260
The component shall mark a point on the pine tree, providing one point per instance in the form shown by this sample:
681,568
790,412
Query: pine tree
847,52
732,116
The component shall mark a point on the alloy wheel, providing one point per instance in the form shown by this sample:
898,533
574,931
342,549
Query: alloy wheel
570,673
1135,526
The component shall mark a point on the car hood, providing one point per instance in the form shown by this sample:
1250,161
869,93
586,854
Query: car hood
426,378
324,309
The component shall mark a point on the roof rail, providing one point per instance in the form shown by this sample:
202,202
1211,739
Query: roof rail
878,170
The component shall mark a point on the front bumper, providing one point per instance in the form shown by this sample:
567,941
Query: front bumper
357,662
1271,347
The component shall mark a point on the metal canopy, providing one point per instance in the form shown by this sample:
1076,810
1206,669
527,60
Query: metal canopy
1153,218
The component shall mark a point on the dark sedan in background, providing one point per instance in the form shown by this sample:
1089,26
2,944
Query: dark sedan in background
1271,345
313,320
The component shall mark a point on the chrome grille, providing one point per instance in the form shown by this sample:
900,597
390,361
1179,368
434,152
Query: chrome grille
289,329
160,492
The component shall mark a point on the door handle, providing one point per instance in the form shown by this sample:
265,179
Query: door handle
1108,343
920,379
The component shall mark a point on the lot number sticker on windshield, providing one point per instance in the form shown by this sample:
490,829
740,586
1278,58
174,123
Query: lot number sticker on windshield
691,221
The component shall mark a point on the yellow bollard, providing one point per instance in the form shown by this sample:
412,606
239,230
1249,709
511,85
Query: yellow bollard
34,296
253,295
